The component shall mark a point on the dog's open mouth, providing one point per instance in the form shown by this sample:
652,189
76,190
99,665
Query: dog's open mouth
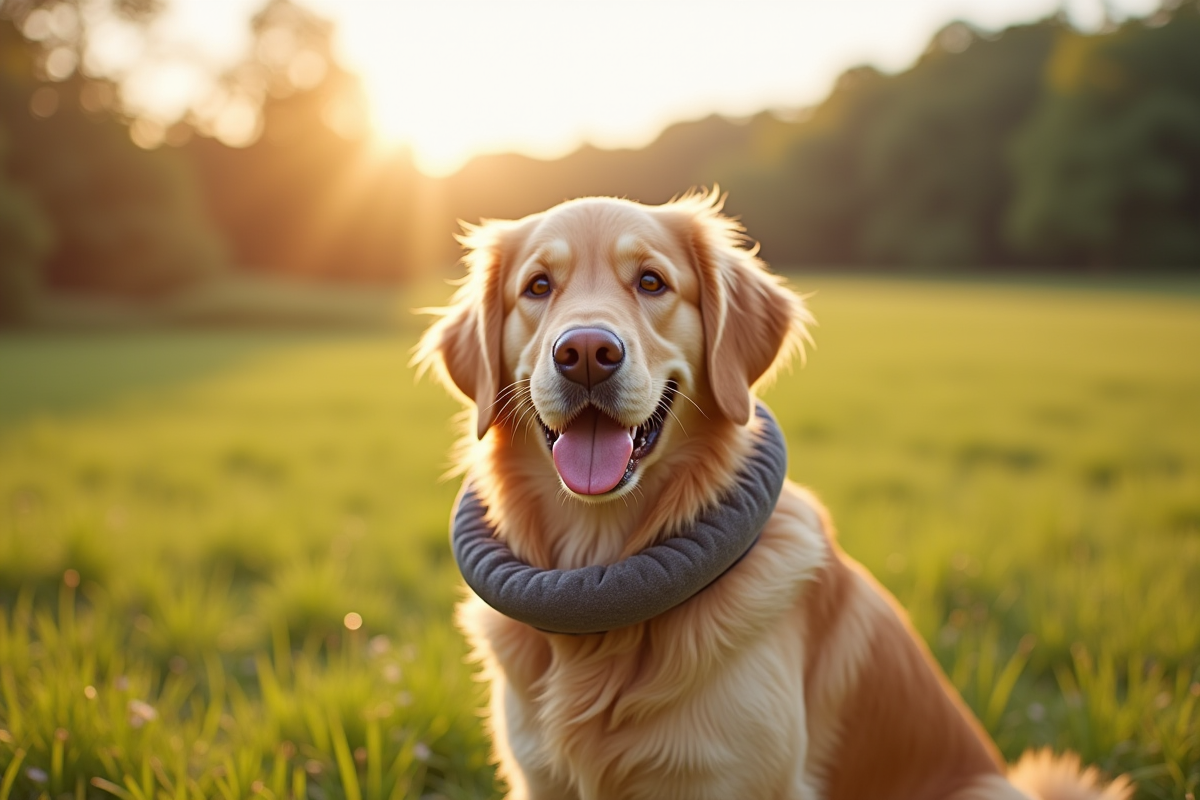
595,454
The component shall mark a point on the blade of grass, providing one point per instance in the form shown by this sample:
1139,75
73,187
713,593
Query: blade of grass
374,759
299,784
56,763
216,702
111,788
10,774
345,760
11,702
1003,686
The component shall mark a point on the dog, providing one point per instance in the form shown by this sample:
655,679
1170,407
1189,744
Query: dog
795,675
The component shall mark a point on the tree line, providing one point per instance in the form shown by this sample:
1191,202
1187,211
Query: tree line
1036,147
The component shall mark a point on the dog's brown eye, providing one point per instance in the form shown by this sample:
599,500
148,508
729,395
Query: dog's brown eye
538,287
651,283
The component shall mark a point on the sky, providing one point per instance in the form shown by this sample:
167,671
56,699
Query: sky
452,79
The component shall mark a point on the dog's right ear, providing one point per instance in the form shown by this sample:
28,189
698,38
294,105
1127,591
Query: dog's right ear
465,342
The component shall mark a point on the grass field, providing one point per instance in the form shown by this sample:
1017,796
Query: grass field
224,569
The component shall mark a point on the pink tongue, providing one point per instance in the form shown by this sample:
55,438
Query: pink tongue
592,453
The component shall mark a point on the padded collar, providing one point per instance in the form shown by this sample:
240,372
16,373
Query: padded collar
604,597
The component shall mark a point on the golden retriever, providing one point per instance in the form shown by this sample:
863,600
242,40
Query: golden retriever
795,675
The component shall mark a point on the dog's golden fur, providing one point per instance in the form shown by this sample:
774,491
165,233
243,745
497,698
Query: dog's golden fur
793,676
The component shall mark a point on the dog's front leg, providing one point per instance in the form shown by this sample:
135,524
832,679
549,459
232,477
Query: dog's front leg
520,749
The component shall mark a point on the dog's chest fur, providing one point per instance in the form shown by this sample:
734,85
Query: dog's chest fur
708,710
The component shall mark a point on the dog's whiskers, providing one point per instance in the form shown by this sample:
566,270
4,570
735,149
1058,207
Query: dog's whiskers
528,417
509,410
516,397
690,400
665,404
679,423
508,392
521,422
515,404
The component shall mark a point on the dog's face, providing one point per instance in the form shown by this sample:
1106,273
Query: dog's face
603,322
590,321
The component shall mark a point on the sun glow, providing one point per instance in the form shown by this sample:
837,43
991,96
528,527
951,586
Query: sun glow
455,78
444,139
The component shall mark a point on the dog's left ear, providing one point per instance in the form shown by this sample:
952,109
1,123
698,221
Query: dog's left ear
467,339
752,323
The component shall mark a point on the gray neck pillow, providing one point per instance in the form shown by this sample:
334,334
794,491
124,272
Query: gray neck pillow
605,597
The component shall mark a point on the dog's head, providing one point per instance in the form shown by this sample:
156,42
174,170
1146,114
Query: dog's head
592,320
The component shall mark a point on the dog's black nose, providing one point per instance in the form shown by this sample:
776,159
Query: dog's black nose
588,356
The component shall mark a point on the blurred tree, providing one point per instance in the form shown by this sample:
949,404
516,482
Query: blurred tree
1108,168
1033,146
125,221
24,242
507,185
57,33
804,198
904,170
933,167
306,193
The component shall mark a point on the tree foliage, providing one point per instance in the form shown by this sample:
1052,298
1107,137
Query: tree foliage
310,195
24,240
124,220
906,170
1036,146
1108,166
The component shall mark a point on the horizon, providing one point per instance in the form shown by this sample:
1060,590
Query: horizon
484,87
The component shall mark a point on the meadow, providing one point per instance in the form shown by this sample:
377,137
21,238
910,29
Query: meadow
224,568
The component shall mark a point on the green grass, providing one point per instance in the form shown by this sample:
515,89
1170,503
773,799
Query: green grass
187,519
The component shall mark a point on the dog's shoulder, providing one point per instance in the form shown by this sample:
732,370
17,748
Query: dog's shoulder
871,687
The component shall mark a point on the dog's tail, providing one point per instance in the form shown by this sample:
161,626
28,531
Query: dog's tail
1044,776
